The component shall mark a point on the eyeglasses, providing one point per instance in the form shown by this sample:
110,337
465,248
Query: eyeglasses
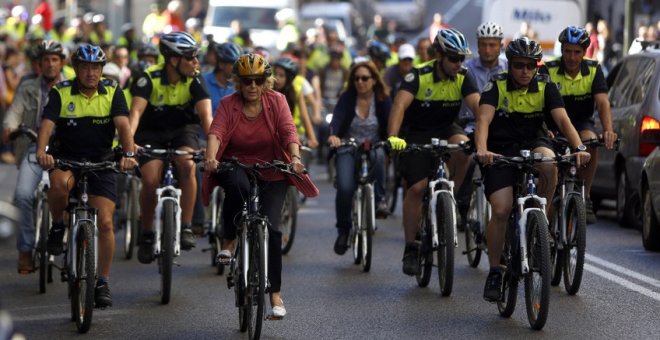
456,58
248,81
361,78
190,57
519,65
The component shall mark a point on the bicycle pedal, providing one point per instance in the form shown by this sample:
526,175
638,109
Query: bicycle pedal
230,282
272,317
64,277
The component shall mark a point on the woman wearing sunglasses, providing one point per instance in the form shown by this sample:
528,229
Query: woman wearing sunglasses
361,113
254,124
512,110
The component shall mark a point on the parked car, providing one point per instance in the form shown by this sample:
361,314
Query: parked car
351,20
634,97
651,194
408,14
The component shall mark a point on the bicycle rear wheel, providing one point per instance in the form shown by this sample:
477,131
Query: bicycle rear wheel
445,252
289,218
537,281
509,280
556,255
393,184
132,215
82,294
166,256
576,236
425,257
41,255
368,222
472,250
256,282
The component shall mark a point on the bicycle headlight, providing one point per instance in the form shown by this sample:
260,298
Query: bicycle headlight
573,170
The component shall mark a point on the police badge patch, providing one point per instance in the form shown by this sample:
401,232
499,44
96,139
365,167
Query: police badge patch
142,82
409,77
488,86
71,107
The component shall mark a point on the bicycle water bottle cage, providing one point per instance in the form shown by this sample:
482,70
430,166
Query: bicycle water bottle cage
525,153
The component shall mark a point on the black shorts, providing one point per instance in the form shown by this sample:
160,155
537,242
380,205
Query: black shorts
417,166
496,178
101,183
185,136
585,124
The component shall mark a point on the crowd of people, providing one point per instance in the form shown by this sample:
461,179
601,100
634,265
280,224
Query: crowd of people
237,100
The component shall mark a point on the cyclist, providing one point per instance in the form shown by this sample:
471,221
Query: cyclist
510,118
379,53
255,125
427,106
218,82
394,74
26,109
84,113
169,102
361,113
581,83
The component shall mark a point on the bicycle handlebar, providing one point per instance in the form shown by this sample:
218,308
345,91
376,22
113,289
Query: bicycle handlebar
23,130
88,166
197,156
438,145
352,142
229,164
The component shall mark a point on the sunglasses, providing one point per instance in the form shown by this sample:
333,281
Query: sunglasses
190,57
361,78
519,65
248,81
456,58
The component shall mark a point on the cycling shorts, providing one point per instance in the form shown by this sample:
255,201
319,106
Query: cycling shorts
185,136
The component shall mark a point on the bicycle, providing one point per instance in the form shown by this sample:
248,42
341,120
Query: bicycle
437,225
478,215
42,218
248,267
526,247
80,257
128,212
167,216
364,201
214,231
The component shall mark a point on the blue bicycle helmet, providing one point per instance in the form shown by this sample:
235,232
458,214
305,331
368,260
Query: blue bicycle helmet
378,51
178,44
288,64
89,54
575,35
451,41
228,52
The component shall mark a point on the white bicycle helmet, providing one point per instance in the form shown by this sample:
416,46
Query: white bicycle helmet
490,30
177,44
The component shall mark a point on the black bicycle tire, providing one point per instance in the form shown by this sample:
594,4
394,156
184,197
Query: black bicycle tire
356,240
445,227
240,286
473,252
167,251
132,217
290,207
368,218
572,282
538,254
42,253
258,274
425,254
510,254
556,255
84,311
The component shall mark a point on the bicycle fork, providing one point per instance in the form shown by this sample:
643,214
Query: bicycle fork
522,225
449,185
157,225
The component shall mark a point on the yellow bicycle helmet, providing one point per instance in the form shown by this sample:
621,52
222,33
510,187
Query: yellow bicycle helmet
252,65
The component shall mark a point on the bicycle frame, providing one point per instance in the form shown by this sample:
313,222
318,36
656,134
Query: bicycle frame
440,184
167,192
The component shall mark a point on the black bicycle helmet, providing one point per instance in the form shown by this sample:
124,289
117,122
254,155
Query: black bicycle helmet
178,44
288,64
228,52
451,41
148,50
378,51
50,47
89,54
575,35
524,47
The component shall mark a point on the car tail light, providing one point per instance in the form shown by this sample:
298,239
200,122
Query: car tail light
648,123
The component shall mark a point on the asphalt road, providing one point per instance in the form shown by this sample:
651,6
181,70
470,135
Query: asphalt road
327,297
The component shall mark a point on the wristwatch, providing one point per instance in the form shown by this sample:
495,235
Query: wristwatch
580,147
129,154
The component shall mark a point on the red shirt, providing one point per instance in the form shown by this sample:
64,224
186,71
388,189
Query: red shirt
46,15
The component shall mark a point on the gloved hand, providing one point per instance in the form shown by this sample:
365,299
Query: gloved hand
397,143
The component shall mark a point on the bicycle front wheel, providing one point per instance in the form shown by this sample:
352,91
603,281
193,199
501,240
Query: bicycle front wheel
132,215
445,228
576,237
82,294
256,282
368,222
166,256
43,223
289,219
537,281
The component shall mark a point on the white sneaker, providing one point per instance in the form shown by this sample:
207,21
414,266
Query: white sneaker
279,312
224,256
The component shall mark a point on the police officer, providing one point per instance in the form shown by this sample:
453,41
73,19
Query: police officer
581,83
84,112
511,113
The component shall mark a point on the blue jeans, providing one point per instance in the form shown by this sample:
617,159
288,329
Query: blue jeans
346,182
29,175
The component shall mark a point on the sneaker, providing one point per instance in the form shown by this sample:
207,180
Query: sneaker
278,311
224,257
493,288
146,249
341,243
591,216
55,244
382,210
187,239
410,259
102,296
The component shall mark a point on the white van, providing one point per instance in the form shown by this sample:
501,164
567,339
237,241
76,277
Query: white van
258,17
352,27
